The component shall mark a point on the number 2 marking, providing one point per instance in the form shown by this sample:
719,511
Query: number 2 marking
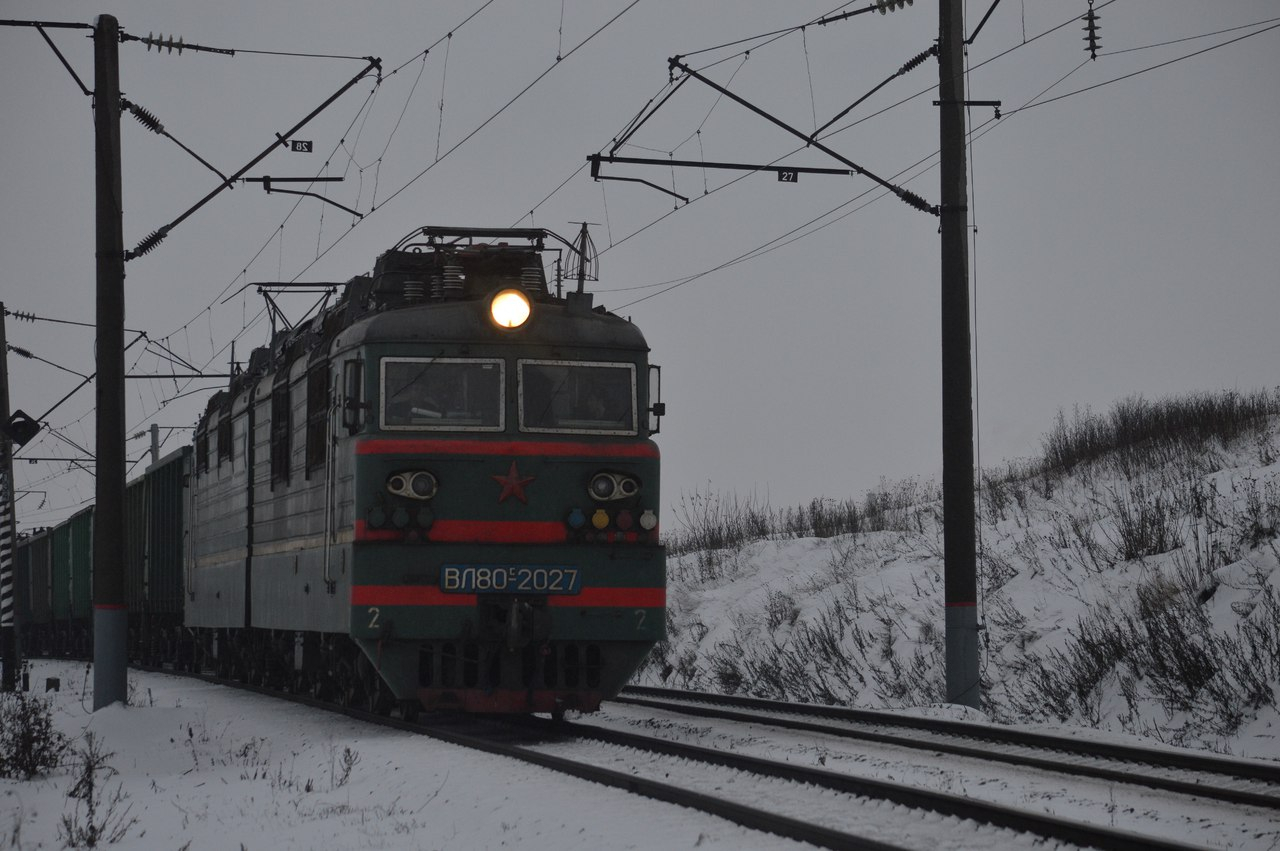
640,615
373,617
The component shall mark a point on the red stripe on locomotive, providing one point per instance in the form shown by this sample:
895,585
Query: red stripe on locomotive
426,595
392,446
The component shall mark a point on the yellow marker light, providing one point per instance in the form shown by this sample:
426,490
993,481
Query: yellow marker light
510,309
600,519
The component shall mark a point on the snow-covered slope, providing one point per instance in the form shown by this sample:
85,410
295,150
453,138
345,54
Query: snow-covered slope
1137,592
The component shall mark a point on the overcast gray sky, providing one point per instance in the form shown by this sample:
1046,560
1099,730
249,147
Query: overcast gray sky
1126,236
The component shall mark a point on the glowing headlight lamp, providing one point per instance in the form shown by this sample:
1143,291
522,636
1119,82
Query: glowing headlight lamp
510,309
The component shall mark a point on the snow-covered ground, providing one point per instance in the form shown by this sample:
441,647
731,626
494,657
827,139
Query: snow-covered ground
196,766
203,767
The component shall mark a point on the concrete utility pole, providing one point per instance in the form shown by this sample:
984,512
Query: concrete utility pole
958,544
110,616
8,530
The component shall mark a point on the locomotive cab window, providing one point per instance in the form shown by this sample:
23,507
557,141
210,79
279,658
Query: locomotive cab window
442,394
577,396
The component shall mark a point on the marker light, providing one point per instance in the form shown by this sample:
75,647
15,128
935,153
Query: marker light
510,309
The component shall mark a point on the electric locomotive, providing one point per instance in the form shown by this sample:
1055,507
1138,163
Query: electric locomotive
441,491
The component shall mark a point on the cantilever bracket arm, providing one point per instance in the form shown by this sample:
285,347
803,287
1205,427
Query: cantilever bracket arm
596,159
267,180
906,195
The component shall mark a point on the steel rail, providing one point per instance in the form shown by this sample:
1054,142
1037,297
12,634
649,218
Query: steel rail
977,751
1225,766
942,803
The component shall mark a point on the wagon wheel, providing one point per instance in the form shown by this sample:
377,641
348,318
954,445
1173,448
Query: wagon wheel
320,685
347,685
410,709
255,671
378,699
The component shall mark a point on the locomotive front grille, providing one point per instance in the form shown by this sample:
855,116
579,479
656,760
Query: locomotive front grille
477,665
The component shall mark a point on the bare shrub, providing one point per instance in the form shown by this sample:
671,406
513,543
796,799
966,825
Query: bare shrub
711,521
898,506
1146,524
97,816
780,608
29,744
1261,518
829,517
345,764
725,669
1135,427
995,571
1064,682
1165,650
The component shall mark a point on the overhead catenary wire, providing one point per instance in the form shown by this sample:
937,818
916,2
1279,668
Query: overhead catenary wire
1188,38
778,242
642,116
783,240
446,153
361,111
444,73
152,239
476,130
1149,68
776,34
985,128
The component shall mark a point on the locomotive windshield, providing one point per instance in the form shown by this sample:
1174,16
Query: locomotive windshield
577,396
454,394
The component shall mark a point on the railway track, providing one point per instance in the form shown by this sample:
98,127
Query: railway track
802,803
858,811
1243,782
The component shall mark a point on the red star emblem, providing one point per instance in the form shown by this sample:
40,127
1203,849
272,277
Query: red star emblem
513,484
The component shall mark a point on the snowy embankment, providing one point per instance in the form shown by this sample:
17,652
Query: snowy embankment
1131,588
195,766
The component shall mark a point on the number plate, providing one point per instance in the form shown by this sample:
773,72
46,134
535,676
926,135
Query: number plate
509,579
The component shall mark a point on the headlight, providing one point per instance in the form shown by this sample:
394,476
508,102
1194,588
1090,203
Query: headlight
602,486
510,309
423,485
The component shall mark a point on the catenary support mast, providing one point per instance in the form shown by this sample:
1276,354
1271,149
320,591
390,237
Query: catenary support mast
8,533
110,617
959,548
